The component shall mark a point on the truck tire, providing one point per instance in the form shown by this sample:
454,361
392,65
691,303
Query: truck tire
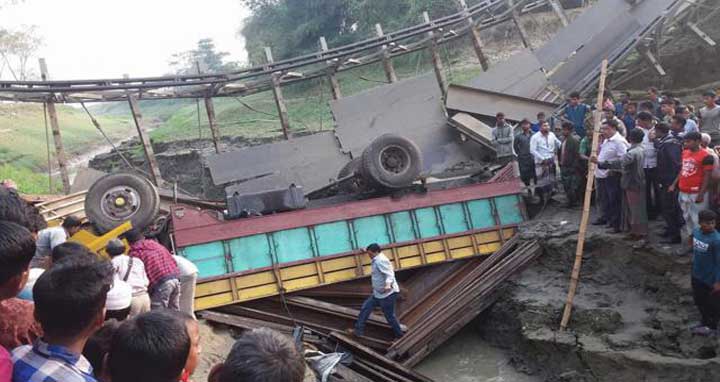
117,198
391,161
354,185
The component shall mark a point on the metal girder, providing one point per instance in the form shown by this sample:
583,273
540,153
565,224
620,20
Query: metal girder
694,27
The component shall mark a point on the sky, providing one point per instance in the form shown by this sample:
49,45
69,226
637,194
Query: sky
85,39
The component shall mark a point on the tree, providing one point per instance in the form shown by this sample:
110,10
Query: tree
16,50
293,27
206,54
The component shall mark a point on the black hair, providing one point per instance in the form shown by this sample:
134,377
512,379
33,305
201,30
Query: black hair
71,222
662,127
636,136
118,315
374,248
152,347
500,115
525,121
71,294
668,101
70,249
693,136
98,345
14,209
706,216
540,114
679,119
574,95
568,126
133,236
647,105
653,89
115,247
709,93
644,116
612,123
263,355
632,103
17,248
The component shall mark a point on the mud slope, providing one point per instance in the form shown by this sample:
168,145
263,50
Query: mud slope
631,316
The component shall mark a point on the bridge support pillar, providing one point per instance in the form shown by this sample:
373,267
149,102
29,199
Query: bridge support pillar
387,62
475,38
277,93
155,175
332,68
436,61
214,130
524,36
57,138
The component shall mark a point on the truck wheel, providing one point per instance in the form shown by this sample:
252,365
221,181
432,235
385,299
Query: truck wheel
391,161
117,198
354,185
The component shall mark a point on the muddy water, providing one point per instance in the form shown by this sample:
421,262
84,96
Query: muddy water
467,358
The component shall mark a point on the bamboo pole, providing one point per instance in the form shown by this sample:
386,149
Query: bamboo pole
575,277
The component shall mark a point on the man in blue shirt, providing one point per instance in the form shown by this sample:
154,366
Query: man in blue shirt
706,273
385,292
576,112
629,115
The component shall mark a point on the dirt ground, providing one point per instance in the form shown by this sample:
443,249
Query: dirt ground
631,314
216,342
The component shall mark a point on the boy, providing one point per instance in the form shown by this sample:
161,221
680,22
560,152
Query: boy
261,355
158,346
97,348
669,162
132,271
16,250
706,273
692,181
576,113
629,115
70,305
17,322
49,238
535,127
162,271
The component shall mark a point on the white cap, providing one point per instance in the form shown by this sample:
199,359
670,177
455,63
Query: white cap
119,297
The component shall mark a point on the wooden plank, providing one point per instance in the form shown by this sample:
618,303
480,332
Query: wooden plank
559,11
57,137
387,62
277,93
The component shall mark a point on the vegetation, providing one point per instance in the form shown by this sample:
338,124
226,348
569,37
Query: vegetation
294,27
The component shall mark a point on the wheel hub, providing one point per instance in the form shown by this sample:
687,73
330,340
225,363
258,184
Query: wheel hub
120,203
395,159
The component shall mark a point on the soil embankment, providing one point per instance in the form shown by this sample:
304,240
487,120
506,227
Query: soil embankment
630,319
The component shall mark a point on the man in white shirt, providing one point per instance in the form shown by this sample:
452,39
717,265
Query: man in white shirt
543,147
188,280
385,292
612,149
51,237
132,271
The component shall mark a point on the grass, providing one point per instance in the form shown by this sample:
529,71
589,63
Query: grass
29,181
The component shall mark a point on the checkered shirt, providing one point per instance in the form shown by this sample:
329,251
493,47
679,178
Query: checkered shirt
159,263
42,362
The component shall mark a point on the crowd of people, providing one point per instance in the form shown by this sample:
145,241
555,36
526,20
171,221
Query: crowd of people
655,158
127,318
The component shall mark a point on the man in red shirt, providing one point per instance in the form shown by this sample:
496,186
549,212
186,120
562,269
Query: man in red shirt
692,181
161,269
